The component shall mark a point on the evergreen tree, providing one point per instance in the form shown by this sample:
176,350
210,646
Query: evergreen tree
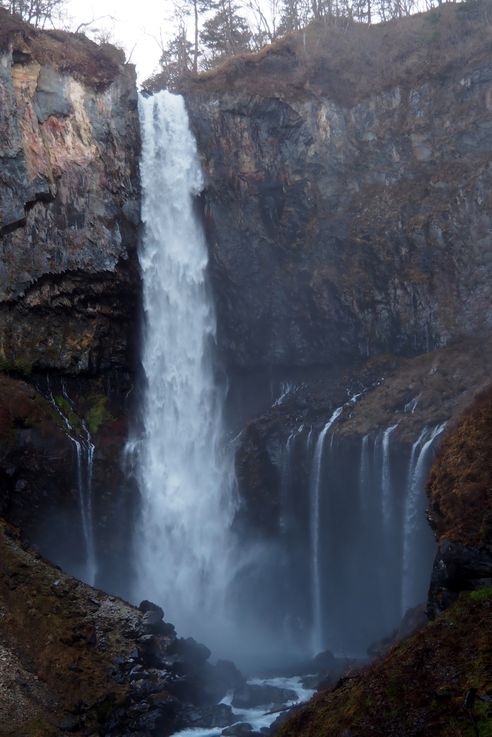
226,33
176,58
294,15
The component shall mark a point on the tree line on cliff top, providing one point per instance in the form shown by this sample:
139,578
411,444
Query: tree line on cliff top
210,31
206,32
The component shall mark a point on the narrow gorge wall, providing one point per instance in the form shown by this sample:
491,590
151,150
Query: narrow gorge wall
347,196
69,285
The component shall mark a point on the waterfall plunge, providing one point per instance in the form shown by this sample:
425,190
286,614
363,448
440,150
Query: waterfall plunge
184,472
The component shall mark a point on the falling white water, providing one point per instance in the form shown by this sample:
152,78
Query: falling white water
84,458
184,471
317,637
285,477
364,472
418,465
386,477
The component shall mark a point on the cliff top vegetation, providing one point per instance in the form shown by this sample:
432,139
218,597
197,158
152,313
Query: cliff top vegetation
71,53
347,61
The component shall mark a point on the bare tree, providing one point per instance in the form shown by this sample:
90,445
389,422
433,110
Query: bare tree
266,15
38,12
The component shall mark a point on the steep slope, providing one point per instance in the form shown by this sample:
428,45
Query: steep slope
428,685
75,660
460,492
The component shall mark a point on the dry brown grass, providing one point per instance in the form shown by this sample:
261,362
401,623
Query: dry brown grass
96,66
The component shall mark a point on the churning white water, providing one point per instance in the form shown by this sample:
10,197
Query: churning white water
184,472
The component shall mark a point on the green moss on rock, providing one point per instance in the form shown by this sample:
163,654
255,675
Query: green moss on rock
16,365
67,410
98,413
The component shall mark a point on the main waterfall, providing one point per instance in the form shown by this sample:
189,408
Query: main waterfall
183,468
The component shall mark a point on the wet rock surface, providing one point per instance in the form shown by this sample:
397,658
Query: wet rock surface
69,284
39,479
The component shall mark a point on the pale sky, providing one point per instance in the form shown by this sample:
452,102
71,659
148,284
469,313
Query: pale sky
136,23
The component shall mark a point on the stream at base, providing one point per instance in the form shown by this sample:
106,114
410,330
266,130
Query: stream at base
261,717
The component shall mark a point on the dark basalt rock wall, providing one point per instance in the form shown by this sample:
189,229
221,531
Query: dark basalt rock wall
348,222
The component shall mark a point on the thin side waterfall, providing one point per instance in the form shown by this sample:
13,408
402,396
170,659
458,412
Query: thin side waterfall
364,471
84,459
317,637
386,477
354,533
184,466
286,473
414,511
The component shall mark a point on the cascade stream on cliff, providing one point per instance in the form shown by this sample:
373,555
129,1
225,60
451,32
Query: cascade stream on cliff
368,543
84,448
184,468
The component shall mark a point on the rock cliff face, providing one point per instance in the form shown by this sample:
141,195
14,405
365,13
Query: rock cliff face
349,217
69,284
349,221
69,203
